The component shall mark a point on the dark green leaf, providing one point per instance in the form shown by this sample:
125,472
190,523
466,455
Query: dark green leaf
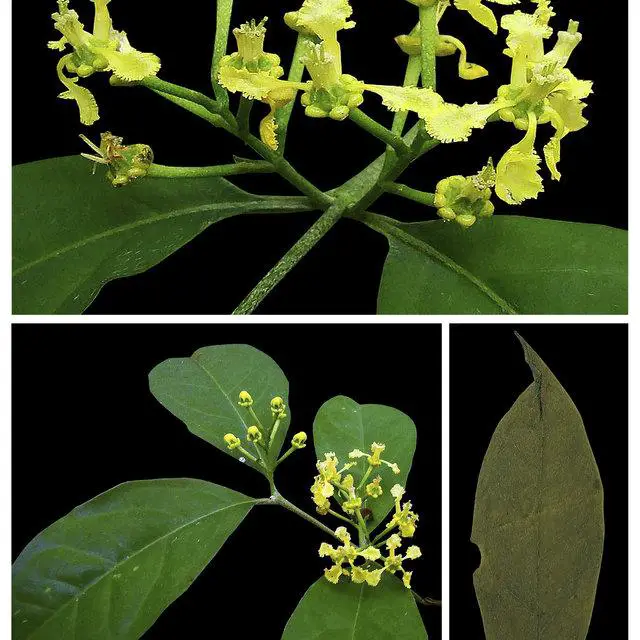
203,392
74,232
508,264
348,611
110,567
343,425
538,518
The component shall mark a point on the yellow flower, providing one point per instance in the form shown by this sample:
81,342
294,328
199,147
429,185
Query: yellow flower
403,518
104,49
299,440
406,578
233,442
373,489
374,458
278,407
245,399
254,434
347,554
371,553
333,574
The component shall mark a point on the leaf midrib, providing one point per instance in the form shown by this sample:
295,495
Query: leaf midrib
390,230
355,620
133,555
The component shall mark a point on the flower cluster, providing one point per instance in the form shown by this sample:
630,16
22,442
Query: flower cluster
332,482
258,436
365,562
542,90
103,49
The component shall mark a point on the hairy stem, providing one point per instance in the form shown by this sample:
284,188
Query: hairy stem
162,171
290,259
428,44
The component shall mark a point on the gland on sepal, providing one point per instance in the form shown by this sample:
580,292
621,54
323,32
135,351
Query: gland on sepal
250,54
124,162
332,93
464,199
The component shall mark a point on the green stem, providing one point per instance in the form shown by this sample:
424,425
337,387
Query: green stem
274,430
291,259
428,44
223,23
380,132
411,77
283,457
426,602
392,172
156,84
296,71
276,498
256,421
198,110
335,514
362,530
421,197
243,115
162,171
288,172
245,453
378,540
365,477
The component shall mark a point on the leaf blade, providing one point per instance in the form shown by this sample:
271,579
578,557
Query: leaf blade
202,391
73,232
527,264
342,425
538,519
112,565
348,611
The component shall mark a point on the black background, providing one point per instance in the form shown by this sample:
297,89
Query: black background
84,421
488,373
341,275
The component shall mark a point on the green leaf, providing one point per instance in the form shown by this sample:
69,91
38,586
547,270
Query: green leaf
342,425
110,567
348,611
74,232
538,521
203,392
508,264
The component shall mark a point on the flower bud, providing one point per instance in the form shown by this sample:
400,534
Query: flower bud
299,441
254,434
233,442
245,399
277,406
